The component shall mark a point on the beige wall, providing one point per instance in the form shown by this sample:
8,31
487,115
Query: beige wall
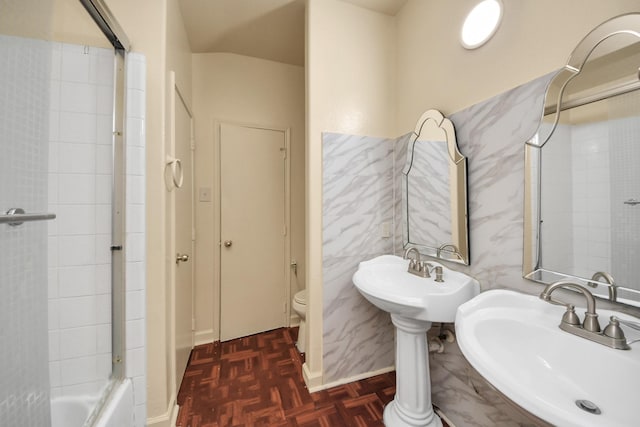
241,89
535,38
350,89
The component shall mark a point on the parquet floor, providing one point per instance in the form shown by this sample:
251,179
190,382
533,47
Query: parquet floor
257,381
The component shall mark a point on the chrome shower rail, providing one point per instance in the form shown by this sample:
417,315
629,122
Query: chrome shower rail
16,216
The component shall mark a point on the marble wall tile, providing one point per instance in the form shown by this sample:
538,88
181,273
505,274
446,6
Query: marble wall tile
355,234
492,135
356,155
358,202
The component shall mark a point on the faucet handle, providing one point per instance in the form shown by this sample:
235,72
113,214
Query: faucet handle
570,315
613,329
423,267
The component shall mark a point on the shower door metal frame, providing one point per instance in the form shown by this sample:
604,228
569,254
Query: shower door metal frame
107,23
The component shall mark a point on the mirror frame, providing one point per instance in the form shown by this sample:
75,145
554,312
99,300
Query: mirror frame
531,266
458,249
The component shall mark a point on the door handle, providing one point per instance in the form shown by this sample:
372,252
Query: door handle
228,243
181,257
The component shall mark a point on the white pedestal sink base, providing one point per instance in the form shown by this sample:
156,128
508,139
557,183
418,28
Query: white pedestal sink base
411,406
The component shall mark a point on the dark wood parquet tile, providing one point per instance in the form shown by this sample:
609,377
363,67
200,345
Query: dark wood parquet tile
257,381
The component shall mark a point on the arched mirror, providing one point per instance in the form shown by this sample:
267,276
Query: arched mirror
582,209
435,191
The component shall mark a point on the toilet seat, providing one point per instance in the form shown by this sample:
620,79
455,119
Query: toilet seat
300,297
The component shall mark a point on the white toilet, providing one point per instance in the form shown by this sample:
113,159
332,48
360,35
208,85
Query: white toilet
300,307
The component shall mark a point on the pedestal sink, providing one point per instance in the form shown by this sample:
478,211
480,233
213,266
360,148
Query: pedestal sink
414,303
513,340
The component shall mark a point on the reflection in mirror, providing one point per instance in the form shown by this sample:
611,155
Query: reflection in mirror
435,191
582,212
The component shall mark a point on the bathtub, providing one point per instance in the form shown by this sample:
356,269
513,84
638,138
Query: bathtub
71,411
74,411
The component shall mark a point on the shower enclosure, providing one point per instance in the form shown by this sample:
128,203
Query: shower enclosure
63,236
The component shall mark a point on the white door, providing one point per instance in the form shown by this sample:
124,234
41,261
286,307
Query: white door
184,244
252,225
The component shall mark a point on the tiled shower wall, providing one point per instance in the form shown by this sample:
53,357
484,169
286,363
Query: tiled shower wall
24,118
135,263
591,199
80,186
623,133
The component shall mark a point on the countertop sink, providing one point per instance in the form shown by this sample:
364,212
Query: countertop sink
385,282
513,340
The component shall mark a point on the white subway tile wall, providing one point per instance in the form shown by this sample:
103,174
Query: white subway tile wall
136,236
80,187
82,361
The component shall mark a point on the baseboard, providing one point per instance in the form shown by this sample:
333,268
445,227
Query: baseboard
312,381
204,337
174,416
168,419
347,380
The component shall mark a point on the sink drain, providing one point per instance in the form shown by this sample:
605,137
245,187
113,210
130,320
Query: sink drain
588,406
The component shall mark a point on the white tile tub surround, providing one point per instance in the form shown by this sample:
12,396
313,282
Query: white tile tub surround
79,238
136,236
80,185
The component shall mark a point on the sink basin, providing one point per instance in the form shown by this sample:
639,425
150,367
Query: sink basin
513,341
385,282
413,302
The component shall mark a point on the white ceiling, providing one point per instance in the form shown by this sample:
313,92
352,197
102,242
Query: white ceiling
388,7
267,29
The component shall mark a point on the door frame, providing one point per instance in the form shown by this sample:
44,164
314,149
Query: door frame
174,90
217,230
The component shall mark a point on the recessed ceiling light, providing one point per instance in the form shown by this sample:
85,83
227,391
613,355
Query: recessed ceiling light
481,23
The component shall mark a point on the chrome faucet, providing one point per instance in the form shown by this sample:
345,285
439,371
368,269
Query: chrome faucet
613,288
612,336
417,267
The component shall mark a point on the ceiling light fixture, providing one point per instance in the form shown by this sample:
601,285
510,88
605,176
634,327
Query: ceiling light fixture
481,23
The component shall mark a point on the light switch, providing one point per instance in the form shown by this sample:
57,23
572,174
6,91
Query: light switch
205,194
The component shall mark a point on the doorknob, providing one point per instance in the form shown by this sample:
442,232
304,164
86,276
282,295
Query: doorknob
181,257
228,243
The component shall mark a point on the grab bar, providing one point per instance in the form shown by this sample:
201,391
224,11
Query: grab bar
17,216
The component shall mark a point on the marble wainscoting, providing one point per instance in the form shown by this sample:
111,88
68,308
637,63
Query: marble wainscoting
358,200
492,135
